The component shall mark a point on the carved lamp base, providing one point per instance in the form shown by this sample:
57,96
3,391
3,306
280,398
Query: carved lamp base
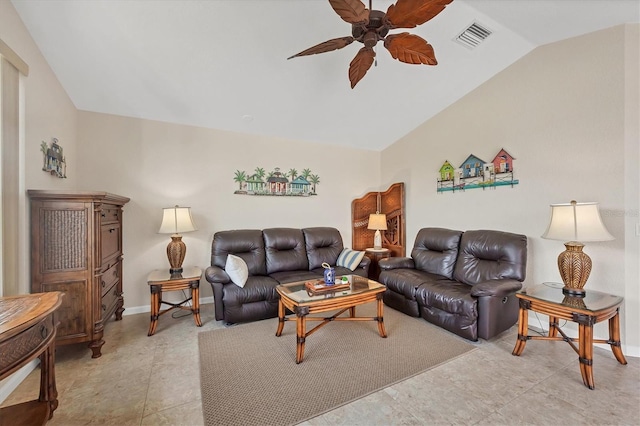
176,250
575,267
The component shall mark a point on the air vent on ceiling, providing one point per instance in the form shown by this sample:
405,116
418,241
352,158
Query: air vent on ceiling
473,35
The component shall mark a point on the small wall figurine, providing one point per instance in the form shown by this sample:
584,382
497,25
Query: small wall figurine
54,161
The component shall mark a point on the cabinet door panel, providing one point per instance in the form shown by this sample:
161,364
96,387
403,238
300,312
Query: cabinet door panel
73,311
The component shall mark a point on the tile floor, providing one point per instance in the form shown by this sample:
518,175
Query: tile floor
142,380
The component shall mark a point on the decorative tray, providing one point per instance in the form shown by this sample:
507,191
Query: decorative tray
319,286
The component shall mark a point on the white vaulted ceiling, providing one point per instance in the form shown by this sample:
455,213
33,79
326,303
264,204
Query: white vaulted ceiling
223,63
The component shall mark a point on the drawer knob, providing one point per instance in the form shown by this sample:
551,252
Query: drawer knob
43,331
112,230
104,307
104,284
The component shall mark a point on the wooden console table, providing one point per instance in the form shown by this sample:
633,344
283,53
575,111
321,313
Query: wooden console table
593,308
28,330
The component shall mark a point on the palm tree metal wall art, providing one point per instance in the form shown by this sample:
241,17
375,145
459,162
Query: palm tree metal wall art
277,183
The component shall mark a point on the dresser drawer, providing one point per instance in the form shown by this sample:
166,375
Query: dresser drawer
27,342
109,299
109,278
110,214
111,244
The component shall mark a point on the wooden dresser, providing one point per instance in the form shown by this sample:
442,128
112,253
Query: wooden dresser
28,330
76,248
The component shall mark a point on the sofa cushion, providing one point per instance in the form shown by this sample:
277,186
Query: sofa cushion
405,281
285,250
237,270
324,244
435,250
350,258
491,255
448,296
245,243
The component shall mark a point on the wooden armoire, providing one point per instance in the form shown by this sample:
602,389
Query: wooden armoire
76,248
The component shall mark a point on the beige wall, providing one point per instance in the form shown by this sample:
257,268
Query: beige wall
561,112
47,112
161,164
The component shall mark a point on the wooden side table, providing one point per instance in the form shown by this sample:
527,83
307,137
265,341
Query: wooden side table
162,280
28,327
593,308
376,255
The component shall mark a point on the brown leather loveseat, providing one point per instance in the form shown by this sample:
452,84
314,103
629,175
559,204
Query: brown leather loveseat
464,282
273,256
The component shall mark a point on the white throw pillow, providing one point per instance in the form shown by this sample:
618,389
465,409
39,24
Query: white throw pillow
237,270
350,258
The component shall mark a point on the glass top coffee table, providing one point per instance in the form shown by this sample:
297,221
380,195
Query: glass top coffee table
297,298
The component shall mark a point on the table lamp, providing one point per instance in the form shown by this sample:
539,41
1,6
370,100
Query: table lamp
174,221
575,223
377,221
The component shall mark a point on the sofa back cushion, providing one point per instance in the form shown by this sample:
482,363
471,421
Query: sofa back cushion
435,250
324,244
247,244
285,250
491,255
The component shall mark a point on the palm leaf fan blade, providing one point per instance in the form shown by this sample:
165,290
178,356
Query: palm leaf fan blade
351,11
360,65
410,49
327,46
411,13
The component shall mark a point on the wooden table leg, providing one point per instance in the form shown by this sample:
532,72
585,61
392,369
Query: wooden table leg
523,326
155,308
585,353
614,338
195,297
553,326
301,331
48,390
380,317
280,318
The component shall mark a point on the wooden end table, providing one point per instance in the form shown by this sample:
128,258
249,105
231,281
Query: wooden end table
376,255
296,298
162,280
591,309
28,327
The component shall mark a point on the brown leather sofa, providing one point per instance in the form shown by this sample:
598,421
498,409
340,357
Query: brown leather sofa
464,282
273,256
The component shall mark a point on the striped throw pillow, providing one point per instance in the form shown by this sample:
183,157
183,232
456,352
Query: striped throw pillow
350,258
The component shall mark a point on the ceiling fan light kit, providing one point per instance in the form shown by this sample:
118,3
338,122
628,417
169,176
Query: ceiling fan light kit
370,26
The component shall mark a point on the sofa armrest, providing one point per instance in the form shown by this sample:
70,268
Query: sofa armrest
365,263
496,288
213,274
217,277
396,263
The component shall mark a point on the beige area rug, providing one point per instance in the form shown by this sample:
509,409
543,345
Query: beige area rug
248,376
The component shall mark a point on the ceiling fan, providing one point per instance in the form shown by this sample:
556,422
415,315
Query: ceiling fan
369,26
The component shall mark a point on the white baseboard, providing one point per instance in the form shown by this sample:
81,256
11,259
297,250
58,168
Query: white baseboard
10,384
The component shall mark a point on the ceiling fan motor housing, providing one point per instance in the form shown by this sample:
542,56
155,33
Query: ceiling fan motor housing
374,31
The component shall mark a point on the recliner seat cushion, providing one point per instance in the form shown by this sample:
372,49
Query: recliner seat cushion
491,255
323,244
435,250
247,244
284,277
405,281
285,250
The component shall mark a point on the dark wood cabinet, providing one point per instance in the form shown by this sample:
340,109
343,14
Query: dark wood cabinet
76,248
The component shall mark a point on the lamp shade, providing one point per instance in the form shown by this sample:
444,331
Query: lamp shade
176,220
576,222
378,222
